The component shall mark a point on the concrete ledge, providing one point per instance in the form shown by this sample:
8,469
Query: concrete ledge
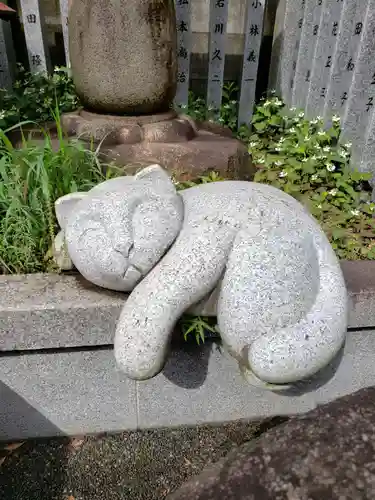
78,393
47,311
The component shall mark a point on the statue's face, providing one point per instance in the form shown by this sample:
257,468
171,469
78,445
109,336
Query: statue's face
118,232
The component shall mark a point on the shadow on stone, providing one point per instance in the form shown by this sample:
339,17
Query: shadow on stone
187,365
28,472
19,419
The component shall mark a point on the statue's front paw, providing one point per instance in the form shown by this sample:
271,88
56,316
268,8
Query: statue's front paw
60,253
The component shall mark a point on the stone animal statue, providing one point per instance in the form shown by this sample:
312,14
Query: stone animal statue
326,454
282,307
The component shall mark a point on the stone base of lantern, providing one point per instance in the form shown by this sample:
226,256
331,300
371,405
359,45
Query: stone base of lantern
187,149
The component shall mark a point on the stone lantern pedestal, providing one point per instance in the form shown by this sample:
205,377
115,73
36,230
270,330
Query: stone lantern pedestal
123,57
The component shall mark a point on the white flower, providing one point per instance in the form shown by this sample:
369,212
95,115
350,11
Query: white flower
372,208
314,157
293,108
319,206
348,145
278,163
331,167
355,212
260,160
344,153
314,122
321,132
301,114
319,118
277,102
326,149
267,103
314,177
253,144
281,140
292,130
283,174
335,118
304,159
333,192
307,138
273,91
277,148
2,115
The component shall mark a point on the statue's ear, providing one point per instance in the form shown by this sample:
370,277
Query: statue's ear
157,175
64,206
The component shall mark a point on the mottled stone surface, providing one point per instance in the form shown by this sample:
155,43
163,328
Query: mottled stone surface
112,129
327,454
187,160
282,302
186,148
123,54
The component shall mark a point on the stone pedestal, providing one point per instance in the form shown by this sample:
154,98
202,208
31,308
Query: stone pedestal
124,66
187,149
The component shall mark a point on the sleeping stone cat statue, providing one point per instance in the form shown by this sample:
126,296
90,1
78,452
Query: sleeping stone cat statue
282,306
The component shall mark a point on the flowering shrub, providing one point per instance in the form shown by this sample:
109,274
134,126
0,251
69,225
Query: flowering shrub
35,96
307,161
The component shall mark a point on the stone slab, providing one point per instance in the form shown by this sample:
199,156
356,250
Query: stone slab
184,44
360,104
216,49
7,56
187,160
324,57
306,51
34,29
348,44
51,311
79,393
48,311
65,393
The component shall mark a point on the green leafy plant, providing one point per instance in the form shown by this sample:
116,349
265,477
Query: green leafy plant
31,179
203,179
226,115
34,97
198,326
306,160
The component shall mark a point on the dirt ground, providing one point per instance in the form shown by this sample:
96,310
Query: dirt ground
141,465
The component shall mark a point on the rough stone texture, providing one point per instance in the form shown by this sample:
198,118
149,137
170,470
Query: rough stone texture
360,280
53,394
123,54
48,311
118,231
132,465
186,148
282,303
326,454
188,160
80,392
321,61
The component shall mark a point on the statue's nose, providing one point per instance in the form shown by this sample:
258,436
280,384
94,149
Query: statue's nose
123,247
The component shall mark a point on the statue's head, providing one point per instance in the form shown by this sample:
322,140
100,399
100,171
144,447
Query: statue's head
116,232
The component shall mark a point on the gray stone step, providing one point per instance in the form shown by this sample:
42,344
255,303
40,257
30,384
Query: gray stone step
75,393
47,311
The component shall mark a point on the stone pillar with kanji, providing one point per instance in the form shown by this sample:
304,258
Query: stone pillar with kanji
124,66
